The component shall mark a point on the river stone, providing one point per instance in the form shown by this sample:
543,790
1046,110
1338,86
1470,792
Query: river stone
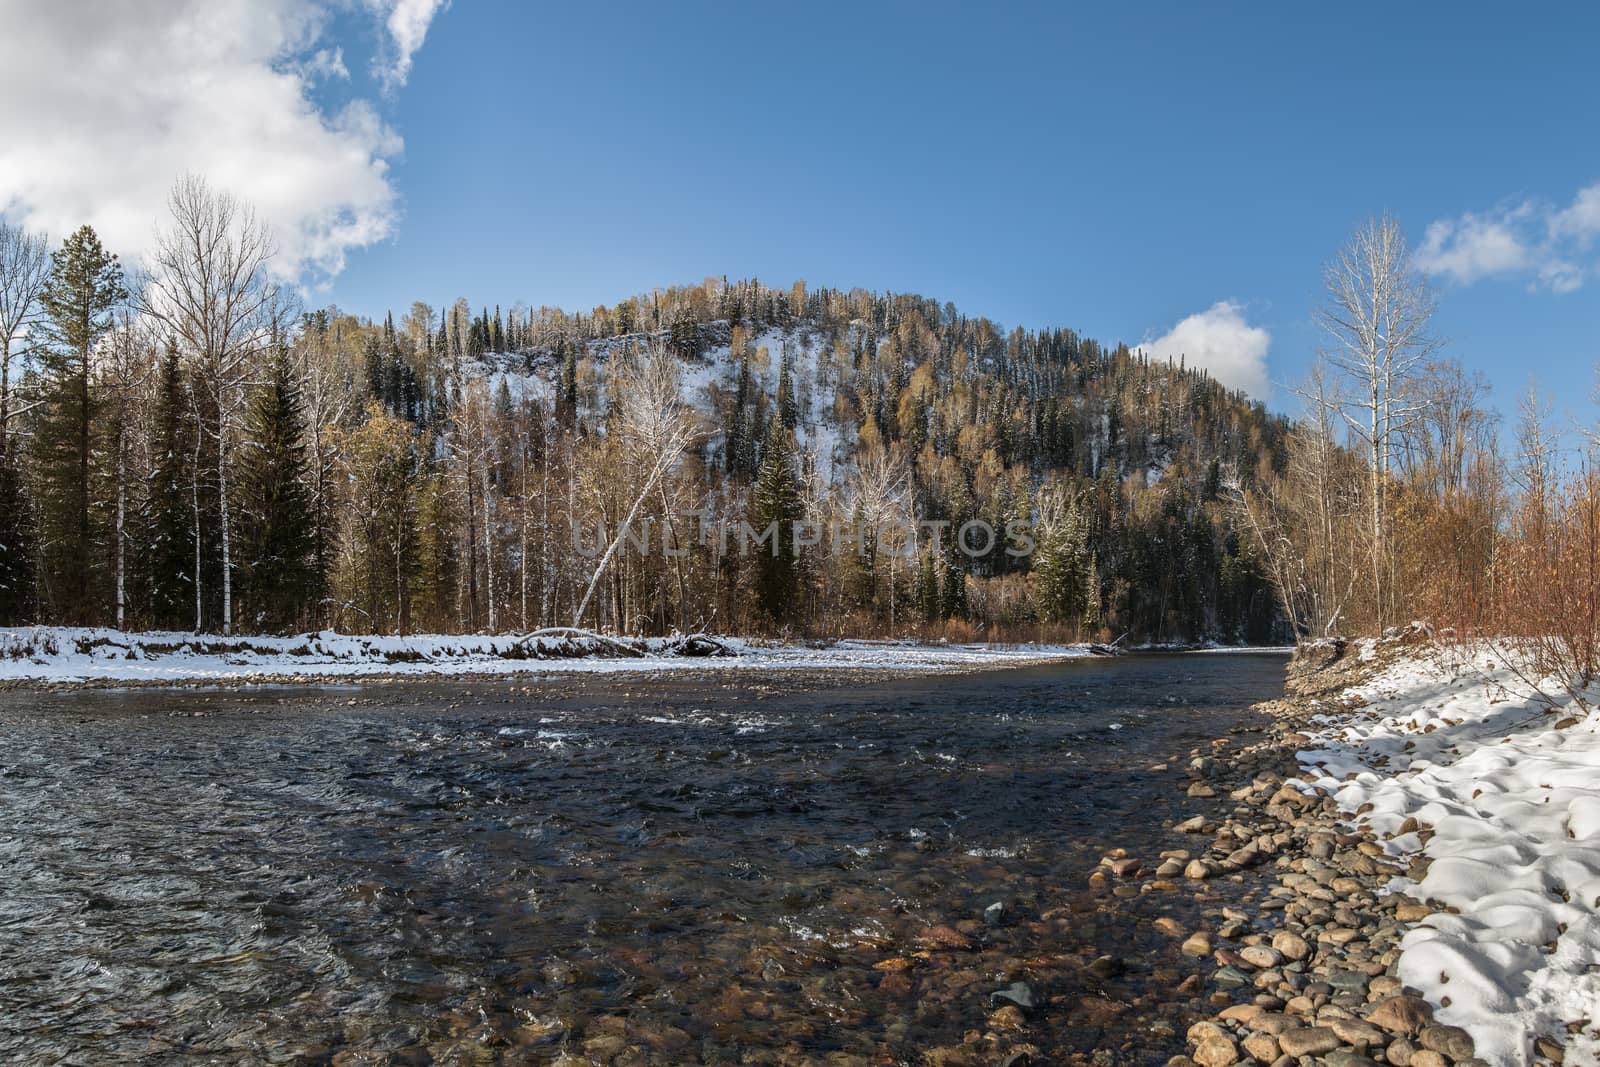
1262,956
1401,1015
1341,1058
1400,1052
1226,957
1348,981
1199,870
1204,1029
1018,993
1355,1032
1550,1050
1426,1057
1308,1041
1292,945
1231,976
1273,1023
1450,1040
1198,944
1216,1052
1241,1013
1383,985
1263,1048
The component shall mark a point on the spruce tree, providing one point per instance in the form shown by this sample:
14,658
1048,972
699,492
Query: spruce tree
775,506
567,393
85,287
169,519
276,522
954,594
928,602
788,409
17,578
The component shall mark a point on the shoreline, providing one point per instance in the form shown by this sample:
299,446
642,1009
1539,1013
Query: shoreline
58,659
1337,956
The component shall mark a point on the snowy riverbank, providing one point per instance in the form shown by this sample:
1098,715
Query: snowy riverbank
1453,760
65,655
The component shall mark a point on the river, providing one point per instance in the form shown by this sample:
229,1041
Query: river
718,867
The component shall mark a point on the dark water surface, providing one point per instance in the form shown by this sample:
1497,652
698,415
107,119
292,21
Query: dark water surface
677,869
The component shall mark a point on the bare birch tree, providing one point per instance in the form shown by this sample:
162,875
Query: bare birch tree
1377,314
24,269
210,286
655,426
125,365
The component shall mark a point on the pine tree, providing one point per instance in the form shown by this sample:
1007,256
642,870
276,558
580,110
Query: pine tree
168,522
775,508
85,286
276,523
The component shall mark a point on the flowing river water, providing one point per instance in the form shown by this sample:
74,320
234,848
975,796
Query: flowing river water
719,867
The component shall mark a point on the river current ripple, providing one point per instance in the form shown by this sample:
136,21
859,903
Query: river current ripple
689,868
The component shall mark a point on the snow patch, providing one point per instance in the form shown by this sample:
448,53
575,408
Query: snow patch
1514,806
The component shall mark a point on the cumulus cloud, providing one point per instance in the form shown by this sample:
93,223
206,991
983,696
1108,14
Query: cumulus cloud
1547,247
111,102
1472,247
1222,341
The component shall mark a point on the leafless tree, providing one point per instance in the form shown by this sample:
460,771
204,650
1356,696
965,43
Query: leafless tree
655,426
1377,315
24,269
124,367
210,286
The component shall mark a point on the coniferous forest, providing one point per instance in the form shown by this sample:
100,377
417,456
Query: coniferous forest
193,449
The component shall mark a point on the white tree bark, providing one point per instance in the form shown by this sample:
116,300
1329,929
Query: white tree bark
1377,314
24,269
209,286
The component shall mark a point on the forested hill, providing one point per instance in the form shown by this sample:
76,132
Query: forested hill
464,470
898,402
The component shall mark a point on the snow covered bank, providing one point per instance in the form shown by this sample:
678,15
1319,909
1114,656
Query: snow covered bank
49,655
1501,793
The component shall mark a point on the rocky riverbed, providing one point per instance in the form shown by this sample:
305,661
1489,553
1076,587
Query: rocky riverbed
1302,965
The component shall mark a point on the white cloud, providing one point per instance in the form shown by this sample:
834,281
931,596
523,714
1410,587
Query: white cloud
1220,340
1546,246
1581,219
1472,247
407,22
108,103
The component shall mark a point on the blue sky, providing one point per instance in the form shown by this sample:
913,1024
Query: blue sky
1114,171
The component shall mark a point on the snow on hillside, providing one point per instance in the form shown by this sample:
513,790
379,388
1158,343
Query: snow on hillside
1510,790
819,434
67,654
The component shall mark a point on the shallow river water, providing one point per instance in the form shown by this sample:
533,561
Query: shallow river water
712,867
